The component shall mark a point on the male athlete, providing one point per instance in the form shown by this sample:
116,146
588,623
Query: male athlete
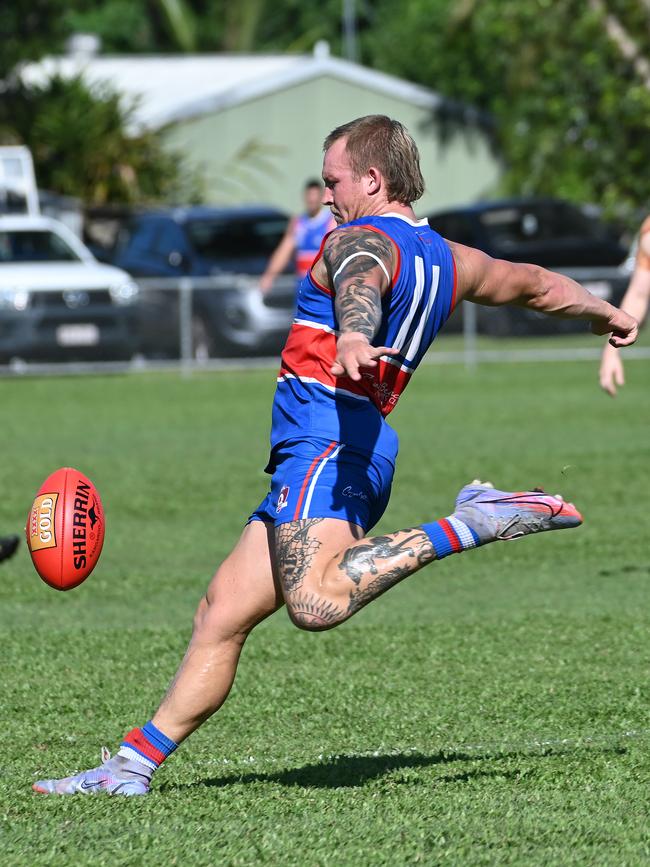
302,239
635,302
380,289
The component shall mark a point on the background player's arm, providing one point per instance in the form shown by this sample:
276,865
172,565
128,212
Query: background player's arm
635,302
280,257
494,281
359,265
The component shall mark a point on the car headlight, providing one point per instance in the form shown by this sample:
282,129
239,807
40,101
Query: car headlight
14,299
125,293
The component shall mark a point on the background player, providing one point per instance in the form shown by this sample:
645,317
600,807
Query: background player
635,302
303,237
373,301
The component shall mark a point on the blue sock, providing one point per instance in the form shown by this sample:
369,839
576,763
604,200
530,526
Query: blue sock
450,536
147,745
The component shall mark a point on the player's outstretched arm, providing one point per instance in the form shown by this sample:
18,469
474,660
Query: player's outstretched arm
279,258
360,265
494,281
635,302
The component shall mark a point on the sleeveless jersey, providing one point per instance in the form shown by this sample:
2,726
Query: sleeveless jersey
308,234
309,400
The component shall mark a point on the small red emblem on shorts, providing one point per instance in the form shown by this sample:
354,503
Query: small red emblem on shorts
282,499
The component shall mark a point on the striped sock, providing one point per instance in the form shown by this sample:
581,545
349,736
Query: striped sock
147,745
450,536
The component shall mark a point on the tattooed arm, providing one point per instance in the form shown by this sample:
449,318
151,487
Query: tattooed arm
360,265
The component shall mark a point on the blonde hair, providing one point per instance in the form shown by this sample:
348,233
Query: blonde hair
377,140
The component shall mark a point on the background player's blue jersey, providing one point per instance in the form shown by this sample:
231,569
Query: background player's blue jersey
308,235
309,400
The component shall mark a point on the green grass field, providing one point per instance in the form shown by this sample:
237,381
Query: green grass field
493,709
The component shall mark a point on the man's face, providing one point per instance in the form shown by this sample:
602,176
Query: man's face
313,200
345,196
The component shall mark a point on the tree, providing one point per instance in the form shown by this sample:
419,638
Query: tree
209,25
571,109
81,146
30,30
124,26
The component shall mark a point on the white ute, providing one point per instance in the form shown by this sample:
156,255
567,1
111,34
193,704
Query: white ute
56,300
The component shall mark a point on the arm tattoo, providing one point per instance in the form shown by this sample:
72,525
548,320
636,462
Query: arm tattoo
295,549
361,560
357,279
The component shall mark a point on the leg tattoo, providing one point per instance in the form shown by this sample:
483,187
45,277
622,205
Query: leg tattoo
322,594
313,612
377,564
295,550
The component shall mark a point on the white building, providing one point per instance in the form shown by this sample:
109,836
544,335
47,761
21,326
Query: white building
254,124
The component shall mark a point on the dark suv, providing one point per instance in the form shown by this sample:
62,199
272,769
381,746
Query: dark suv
548,232
220,252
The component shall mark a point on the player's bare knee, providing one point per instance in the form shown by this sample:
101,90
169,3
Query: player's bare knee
206,618
215,624
200,613
314,613
306,622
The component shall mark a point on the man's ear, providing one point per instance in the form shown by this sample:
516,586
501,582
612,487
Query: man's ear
374,181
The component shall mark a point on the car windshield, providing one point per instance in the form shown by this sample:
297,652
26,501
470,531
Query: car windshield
508,227
236,239
34,246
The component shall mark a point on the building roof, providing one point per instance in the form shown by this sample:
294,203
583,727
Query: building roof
171,88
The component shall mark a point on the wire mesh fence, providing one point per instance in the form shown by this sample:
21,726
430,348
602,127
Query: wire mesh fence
187,321
204,323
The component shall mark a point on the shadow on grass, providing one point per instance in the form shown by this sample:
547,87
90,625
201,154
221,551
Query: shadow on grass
355,771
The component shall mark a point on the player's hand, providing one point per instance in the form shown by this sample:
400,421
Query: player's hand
611,370
622,328
354,351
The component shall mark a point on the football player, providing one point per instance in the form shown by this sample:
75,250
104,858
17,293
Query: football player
380,289
302,239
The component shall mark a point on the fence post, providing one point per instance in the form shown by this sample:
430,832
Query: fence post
185,323
469,335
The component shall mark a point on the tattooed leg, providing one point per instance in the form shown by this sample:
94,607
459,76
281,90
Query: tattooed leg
296,547
328,572
375,565
302,550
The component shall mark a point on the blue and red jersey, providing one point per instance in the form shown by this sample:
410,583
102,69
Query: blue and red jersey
308,233
310,400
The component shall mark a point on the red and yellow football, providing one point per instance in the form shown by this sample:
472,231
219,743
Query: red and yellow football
65,529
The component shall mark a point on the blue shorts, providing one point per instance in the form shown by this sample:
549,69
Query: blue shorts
316,478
